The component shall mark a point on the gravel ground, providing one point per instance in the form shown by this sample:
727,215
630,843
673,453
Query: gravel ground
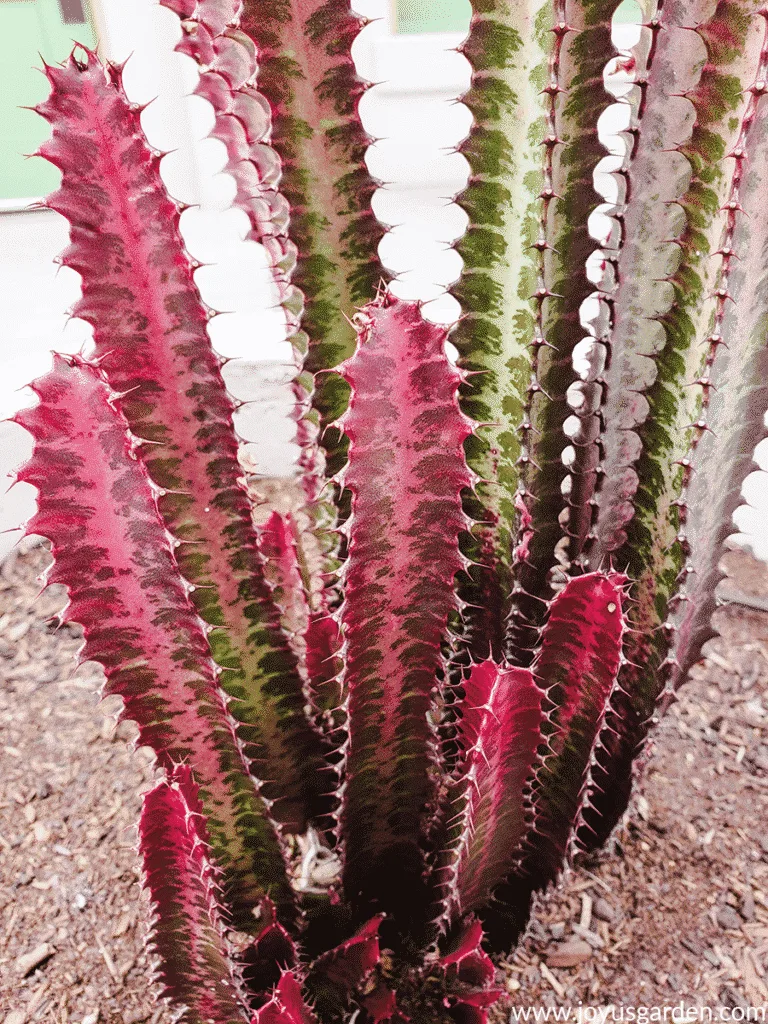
676,909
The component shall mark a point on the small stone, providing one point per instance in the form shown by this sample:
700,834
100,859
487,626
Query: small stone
26,963
728,919
91,1018
138,1015
603,910
569,954
80,901
647,966
557,929
592,938
674,982
747,908
732,999
18,632
15,1017
42,834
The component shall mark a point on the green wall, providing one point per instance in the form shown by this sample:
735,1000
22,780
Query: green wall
412,16
30,29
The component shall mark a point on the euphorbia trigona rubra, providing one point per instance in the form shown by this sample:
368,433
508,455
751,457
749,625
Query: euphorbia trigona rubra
438,669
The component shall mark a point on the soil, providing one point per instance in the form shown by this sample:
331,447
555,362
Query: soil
677,908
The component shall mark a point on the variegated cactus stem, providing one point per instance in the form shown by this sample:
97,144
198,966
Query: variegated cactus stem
537,92
307,75
226,57
151,342
406,473
699,412
112,553
196,965
576,667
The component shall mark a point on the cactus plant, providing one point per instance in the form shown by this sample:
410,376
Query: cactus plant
434,676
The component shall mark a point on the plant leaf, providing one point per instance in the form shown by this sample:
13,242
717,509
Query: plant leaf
150,334
406,472
469,975
111,551
243,123
272,952
666,270
287,1004
337,974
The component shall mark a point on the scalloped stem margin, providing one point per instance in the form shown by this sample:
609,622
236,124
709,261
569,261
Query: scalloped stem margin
151,342
406,472
111,551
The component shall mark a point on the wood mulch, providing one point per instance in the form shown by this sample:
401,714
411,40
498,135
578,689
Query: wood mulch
676,909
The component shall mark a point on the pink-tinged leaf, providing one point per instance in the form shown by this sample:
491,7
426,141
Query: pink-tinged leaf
337,974
406,472
469,976
152,344
577,664
269,955
286,1006
691,479
195,963
111,551
468,961
473,1007
349,964
184,8
380,1006
498,735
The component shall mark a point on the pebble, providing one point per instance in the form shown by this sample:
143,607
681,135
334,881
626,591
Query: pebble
647,966
731,998
569,954
603,910
18,632
135,1016
91,1018
591,937
15,1017
747,908
42,834
728,919
27,962
557,929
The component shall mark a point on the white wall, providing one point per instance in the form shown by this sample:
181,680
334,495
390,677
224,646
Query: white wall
414,114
